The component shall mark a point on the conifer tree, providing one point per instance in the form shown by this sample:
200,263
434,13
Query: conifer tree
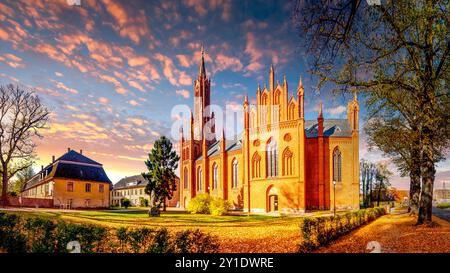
161,164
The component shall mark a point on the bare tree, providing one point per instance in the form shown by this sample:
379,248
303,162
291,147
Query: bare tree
22,115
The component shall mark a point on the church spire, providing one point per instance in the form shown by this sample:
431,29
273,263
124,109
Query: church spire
202,71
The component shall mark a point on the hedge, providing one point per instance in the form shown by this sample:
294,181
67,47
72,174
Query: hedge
320,231
40,235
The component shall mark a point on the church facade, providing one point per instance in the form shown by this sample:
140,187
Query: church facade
281,162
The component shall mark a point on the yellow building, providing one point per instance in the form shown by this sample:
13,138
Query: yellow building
281,162
71,181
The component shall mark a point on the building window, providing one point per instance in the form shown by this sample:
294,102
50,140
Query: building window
186,178
70,186
256,165
199,179
272,158
291,111
287,162
234,174
215,176
141,192
337,165
101,188
87,187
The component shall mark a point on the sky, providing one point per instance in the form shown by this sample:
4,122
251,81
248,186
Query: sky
110,71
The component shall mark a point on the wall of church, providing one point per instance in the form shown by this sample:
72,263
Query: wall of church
347,191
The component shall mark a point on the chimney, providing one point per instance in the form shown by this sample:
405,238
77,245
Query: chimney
53,159
81,151
42,167
68,149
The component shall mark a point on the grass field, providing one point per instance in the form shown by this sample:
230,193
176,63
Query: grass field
236,233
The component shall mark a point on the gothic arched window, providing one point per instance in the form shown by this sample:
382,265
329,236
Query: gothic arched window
291,113
199,179
186,178
337,165
234,174
215,176
264,108
287,162
272,158
256,165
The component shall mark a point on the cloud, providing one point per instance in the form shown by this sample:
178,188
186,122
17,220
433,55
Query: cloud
184,93
254,53
138,61
183,60
59,74
133,103
173,75
137,121
3,34
336,110
224,62
62,86
131,23
103,100
136,85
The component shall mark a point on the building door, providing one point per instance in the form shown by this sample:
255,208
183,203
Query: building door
273,203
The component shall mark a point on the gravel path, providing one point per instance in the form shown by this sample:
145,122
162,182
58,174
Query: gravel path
396,233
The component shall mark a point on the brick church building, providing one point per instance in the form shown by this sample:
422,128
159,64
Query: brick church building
281,162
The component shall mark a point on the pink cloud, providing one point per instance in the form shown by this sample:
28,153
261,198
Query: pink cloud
173,75
183,60
130,24
103,100
62,86
184,93
136,85
224,62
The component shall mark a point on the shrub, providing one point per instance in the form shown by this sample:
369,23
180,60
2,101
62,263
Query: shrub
125,202
206,204
40,235
189,241
11,240
218,206
200,204
143,202
321,231
443,205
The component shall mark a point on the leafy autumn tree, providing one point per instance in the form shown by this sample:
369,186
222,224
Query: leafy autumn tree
22,115
395,47
162,163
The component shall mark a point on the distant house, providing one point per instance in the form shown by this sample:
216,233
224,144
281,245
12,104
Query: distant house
441,196
72,181
133,188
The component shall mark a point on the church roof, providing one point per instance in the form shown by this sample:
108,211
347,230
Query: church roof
71,165
230,145
331,128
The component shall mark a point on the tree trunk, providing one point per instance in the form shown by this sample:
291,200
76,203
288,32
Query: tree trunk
164,205
4,200
379,193
414,192
426,195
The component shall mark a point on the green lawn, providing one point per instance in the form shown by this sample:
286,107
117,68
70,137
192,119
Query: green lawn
255,233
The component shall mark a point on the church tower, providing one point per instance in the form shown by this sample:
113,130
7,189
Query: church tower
202,101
